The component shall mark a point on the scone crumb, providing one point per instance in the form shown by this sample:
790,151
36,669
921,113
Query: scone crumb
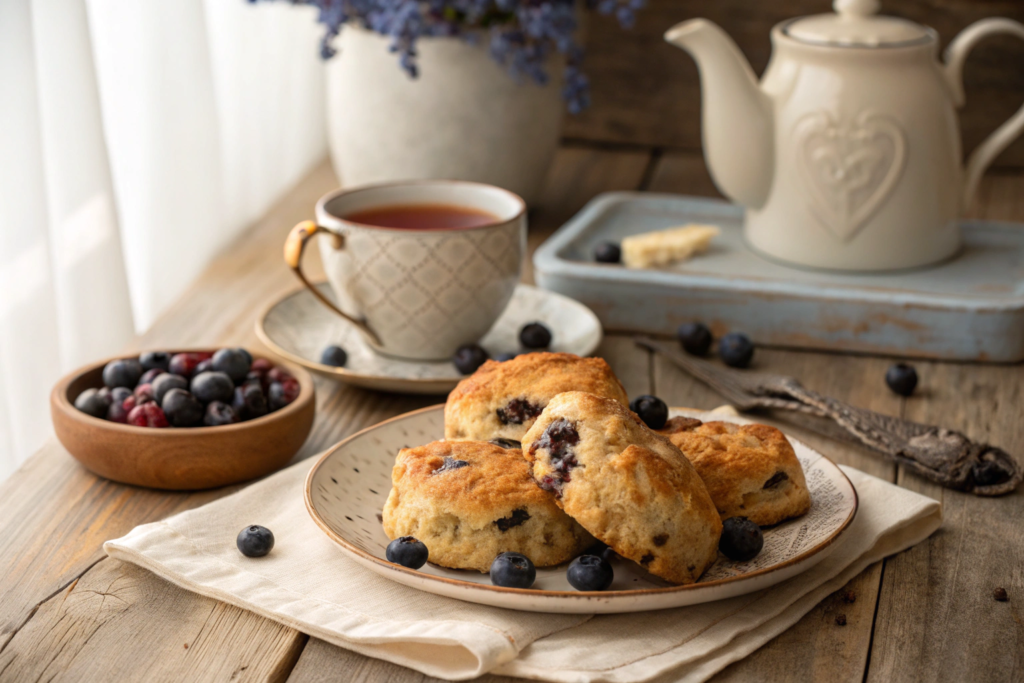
840,620
1000,594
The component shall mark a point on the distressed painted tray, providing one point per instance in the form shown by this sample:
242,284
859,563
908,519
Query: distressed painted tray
969,308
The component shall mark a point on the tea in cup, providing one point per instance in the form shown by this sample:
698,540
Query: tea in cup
419,267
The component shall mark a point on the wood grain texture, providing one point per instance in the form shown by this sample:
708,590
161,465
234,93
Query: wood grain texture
937,618
647,92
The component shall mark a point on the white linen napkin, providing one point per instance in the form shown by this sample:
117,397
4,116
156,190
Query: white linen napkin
309,584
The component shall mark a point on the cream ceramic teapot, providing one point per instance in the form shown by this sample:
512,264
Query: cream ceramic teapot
847,154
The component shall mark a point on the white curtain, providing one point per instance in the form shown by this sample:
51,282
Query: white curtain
137,139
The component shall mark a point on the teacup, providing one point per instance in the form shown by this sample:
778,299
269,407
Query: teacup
417,294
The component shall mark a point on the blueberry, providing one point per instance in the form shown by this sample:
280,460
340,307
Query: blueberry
149,375
695,338
590,573
408,552
651,409
281,394
502,357
122,373
741,539
248,356
184,364
255,541
147,415
736,350
902,379
218,414
119,394
468,358
513,570
212,386
204,366
166,382
334,356
989,473
182,408
232,362
249,401
155,360
535,336
118,413
608,252
92,402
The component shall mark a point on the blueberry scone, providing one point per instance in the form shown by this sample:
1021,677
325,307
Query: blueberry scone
468,501
626,485
502,400
750,470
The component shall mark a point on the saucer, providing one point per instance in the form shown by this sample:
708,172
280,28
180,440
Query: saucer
297,327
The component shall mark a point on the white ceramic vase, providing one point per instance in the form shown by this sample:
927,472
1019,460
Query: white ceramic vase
463,118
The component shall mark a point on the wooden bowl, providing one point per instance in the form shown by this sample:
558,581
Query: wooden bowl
180,459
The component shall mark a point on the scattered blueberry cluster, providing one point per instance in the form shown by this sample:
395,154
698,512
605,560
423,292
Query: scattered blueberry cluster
735,349
533,336
158,389
522,34
591,572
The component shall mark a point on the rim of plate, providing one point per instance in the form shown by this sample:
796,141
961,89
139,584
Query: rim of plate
307,496
443,383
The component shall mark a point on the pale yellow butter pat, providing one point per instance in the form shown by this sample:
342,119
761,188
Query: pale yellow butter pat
652,249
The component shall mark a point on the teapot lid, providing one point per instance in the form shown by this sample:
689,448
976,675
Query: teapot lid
855,23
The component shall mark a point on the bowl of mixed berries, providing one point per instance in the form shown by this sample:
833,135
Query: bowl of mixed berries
184,420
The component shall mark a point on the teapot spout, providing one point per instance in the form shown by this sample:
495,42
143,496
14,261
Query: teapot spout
737,115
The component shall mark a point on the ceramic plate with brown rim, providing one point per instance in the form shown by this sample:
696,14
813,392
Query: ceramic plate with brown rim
347,488
297,327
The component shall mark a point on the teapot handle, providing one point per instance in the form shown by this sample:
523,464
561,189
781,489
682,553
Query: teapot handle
994,144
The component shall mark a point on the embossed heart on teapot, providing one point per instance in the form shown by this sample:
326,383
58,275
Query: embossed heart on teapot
846,155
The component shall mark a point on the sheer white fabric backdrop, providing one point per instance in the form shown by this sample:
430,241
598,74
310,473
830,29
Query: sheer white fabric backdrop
137,138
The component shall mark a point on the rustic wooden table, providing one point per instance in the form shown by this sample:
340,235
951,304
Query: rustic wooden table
67,612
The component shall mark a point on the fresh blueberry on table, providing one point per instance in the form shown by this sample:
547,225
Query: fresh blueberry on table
651,409
535,336
255,541
902,379
92,402
218,413
232,362
608,252
212,386
147,415
149,375
124,372
468,358
513,570
334,355
155,360
695,338
166,382
407,551
736,350
590,573
182,408
741,539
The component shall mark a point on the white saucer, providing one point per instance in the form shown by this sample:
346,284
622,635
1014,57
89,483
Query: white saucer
298,327
346,491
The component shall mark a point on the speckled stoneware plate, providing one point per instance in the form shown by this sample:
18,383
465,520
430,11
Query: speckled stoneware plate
298,327
347,488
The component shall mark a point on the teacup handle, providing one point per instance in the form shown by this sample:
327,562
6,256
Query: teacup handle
294,247
994,144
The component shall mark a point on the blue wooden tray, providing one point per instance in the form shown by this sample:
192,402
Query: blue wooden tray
968,308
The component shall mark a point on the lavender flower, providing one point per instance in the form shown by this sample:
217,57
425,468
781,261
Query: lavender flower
522,34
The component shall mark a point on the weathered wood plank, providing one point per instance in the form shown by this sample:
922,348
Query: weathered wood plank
646,92
88,632
937,619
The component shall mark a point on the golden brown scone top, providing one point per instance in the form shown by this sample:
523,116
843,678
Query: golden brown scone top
749,470
481,406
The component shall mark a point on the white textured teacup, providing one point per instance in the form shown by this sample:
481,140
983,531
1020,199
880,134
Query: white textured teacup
417,294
